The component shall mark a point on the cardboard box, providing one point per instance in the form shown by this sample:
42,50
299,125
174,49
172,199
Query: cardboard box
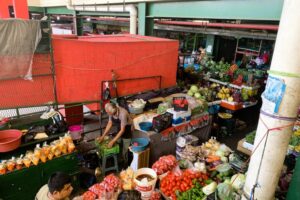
180,117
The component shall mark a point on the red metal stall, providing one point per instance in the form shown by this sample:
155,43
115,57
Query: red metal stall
82,63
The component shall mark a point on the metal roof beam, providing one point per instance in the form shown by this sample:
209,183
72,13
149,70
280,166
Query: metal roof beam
211,31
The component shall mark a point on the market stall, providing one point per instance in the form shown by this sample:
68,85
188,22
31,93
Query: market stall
203,171
165,143
34,163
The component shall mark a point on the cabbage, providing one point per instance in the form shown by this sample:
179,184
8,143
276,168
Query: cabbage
194,88
190,93
209,189
225,191
238,181
224,159
220,153
197,95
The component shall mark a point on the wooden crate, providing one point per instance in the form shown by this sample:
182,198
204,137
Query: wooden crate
140,159
242,149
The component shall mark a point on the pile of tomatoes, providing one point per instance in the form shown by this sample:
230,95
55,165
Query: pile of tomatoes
164,164
172,183
105,189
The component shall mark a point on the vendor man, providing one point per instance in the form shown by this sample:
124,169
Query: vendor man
120,118
58,188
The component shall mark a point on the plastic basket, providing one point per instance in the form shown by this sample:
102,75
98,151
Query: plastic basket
180,104
104,151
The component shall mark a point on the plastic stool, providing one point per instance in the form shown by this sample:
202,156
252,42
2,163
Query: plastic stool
115,165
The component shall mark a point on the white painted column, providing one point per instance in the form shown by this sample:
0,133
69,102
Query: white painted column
286,58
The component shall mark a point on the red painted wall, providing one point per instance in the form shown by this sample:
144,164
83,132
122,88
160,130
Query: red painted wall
4,13
82,63
21,9
22,93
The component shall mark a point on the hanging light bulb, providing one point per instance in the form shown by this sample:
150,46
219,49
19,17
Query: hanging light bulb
58,17
88,19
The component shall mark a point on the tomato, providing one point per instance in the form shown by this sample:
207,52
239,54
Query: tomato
205,177
182,188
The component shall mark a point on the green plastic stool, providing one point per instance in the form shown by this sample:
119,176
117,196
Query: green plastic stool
115,165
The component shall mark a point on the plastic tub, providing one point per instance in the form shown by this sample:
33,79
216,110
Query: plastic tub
136,110
145,126
10,140
142,144
145,188
76,131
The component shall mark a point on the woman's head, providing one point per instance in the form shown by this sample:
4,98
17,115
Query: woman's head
110,108
59,185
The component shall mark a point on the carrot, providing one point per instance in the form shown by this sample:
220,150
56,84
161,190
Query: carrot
215,158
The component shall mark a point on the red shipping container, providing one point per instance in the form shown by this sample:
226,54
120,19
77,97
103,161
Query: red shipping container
82,63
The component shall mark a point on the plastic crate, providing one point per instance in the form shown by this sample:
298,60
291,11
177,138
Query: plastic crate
180,104
231,105
104,151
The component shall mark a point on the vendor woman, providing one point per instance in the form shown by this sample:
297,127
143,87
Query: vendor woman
120,118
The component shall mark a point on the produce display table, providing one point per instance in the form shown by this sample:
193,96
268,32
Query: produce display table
25,183
159,146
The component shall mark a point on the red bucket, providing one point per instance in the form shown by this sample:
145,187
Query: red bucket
10,140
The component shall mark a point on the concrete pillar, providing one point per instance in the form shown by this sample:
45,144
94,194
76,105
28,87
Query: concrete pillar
266,163
142,18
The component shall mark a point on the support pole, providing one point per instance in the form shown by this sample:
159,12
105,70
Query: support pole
267,161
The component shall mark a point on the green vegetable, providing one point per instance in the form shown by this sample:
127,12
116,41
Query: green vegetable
213,174
190,93
225,191
197,95
295,140
194,193
238,181
194,88
209,189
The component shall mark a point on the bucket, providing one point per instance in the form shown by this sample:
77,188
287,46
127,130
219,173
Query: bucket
145,188
76,131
